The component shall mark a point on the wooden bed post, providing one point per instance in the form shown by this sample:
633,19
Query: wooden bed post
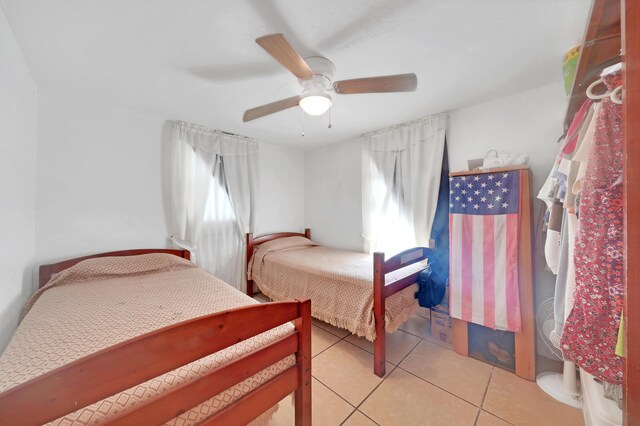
45,275
303,360
249,254
307,233
379,344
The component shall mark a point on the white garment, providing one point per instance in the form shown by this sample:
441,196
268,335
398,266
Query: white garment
548,191
213,186
572,224
552,250
582,153
401,176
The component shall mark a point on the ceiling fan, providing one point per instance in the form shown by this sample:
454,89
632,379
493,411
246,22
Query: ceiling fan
315,75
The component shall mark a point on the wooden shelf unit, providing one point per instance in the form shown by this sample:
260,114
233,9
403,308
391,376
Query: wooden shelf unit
600,47
525,341
613,33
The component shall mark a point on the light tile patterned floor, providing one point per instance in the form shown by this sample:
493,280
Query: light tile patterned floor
426,384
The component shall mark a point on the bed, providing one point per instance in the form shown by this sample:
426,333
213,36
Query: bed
363,294
130,338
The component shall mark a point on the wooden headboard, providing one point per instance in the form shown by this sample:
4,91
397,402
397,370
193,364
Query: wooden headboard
46,271
252,242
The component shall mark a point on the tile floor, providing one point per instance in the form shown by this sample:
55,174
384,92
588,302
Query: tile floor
426,384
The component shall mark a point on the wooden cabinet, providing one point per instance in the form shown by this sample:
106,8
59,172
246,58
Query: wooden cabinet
525,340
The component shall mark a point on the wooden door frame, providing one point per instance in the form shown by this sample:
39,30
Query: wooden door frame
630,14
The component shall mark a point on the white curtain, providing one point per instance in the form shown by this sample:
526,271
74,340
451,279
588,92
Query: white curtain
213,186
401,175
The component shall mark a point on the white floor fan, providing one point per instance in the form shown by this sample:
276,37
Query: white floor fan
561,386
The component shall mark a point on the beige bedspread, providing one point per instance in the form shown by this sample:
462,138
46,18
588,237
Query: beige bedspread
100,302
339,284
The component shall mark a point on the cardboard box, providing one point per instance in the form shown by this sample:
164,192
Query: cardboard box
443,309
441,329
424,313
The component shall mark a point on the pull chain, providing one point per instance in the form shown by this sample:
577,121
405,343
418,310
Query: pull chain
302,122
329,126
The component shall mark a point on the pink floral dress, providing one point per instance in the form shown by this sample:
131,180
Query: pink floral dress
591,331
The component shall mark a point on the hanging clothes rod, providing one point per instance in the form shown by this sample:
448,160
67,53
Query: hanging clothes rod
591,42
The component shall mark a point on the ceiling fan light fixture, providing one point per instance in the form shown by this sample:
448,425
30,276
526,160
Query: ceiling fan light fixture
315,103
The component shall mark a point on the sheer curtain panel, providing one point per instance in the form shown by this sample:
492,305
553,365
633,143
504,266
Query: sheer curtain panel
213,186
401,169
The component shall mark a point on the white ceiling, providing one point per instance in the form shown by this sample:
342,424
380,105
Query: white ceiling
197,61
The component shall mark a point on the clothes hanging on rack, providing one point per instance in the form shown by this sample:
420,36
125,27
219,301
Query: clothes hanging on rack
582,153
561,283
570,287
561,202
573,134
591,330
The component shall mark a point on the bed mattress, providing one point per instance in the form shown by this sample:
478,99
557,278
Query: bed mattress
339,283
101,302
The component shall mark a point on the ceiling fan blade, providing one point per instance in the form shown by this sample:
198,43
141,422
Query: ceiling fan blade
278,47
262,110
387,83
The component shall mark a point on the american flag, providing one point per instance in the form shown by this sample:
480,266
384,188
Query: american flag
483,232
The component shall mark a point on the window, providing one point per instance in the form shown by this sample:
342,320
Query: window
395,233
219,210
220,240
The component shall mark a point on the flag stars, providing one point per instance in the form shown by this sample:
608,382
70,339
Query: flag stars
450,179
481,194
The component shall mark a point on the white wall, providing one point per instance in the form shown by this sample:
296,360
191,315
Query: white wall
100,181
282,183
333,195
18,124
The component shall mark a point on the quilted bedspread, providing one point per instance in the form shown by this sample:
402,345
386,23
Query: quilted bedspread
101,302
339,283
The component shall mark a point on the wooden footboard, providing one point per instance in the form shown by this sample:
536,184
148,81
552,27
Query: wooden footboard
112,370
383,289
